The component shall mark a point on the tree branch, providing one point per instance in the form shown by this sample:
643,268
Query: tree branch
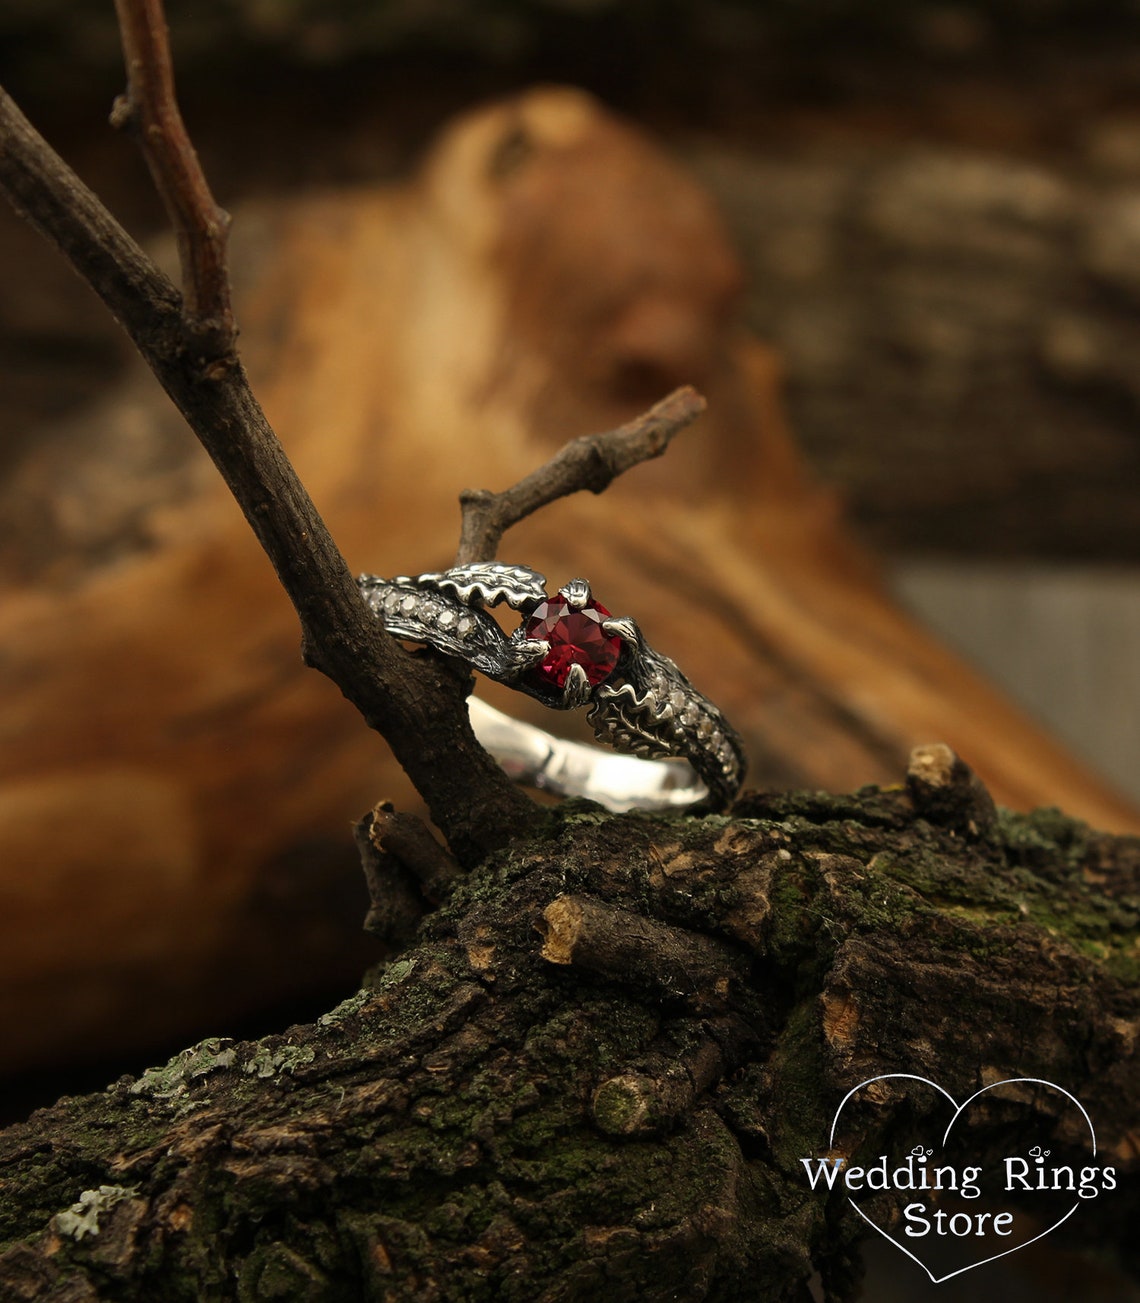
149,107
592,462
465,1120
415,702
674,963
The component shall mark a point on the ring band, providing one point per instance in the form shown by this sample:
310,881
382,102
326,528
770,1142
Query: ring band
569,652
537,759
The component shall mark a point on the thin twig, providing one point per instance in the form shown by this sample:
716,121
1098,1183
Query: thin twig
592,462
672,962
408,839
150,108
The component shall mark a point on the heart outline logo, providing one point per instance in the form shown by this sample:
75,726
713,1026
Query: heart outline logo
958,1110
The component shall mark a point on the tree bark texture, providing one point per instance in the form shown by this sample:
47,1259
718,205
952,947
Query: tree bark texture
486,1120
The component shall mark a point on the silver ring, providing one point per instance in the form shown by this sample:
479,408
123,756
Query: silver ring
567,652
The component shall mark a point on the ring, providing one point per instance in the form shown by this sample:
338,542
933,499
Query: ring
567,652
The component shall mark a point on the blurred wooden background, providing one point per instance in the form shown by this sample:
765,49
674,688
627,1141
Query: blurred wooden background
919,309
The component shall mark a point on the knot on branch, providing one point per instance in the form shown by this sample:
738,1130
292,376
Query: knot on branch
946,790
122,115
407,871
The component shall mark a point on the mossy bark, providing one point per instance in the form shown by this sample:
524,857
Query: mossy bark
442,1134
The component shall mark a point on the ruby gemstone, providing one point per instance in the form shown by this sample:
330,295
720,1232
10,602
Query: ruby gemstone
575,638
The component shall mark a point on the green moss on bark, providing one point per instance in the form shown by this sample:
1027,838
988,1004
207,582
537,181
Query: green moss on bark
433,1135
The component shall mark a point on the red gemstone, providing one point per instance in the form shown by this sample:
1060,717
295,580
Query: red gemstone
575,638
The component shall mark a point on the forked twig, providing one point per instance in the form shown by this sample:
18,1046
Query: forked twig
415,703
188,341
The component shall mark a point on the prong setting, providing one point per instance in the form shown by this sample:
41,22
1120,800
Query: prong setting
621,626
576,690
576,593
528,652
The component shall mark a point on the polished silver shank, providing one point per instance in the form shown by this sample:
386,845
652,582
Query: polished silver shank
536,758
646,707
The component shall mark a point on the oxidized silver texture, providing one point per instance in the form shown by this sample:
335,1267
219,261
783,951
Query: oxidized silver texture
646,707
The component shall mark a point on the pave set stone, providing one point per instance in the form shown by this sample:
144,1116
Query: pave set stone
422,607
